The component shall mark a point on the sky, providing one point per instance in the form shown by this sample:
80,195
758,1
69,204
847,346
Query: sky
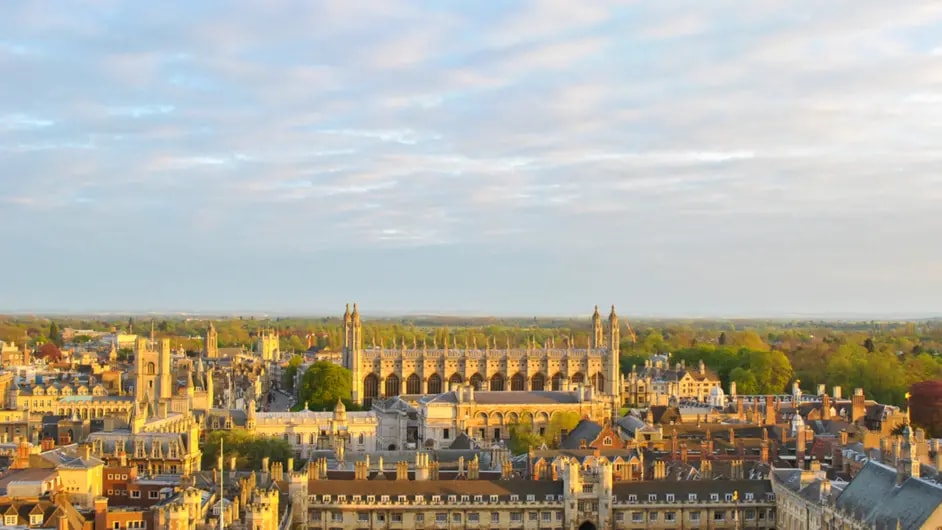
719,158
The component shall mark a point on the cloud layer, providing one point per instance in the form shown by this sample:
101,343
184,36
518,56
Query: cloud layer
506,157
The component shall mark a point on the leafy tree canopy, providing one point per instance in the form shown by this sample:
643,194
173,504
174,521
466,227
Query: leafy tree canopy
247,448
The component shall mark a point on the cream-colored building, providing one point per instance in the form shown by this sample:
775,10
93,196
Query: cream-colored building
488,416
657,382
308,431
380,372
575,496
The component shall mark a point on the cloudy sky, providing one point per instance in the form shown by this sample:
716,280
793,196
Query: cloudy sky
673,158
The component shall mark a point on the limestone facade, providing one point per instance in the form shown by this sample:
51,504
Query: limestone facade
380,372
577,496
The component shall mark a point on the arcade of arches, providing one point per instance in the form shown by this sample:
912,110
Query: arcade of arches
390,386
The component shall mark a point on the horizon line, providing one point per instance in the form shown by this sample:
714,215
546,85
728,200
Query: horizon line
387,314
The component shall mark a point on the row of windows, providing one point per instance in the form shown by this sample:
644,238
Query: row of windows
35,519
135,494
534,516
132,525
442,517
420,499
587,488
693,516
693,497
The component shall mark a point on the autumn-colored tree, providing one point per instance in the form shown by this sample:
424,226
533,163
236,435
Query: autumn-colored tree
925,407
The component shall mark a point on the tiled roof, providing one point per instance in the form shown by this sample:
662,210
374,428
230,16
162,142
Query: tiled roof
435,487
874,497
586,431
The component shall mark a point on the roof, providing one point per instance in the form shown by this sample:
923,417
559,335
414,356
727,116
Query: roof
25,475
682,488
874,497
511,397
435,487
586,431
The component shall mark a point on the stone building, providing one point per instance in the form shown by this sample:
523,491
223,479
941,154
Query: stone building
382,372
657,382
267,345
308,431
211,343
488,416
576,496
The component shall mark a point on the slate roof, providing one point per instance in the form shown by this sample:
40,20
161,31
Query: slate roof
874,498
703,488
462,442
503,488
586,431
510,397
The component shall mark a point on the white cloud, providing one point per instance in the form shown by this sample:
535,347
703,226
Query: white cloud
506,126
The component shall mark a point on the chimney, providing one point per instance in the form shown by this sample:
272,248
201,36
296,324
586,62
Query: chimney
683,452
825,407
843,437
48,444
706,469
290,465
402,470
63,523
769,410
101,512
800,450
764,452
825,491
821,390
836,393
732,436
85,452
858,408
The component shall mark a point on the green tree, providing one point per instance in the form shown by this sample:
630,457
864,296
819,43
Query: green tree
55,336
247,448
523,435
323,384
291,372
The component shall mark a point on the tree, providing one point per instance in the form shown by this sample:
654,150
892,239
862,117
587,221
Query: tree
722,340
323,384
868,343
55,336
523,435
926,406
247,448
291,372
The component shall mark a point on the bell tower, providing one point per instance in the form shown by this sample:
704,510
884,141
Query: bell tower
598,335
612,361
353,350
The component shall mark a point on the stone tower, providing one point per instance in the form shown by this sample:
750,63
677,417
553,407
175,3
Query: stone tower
164,381
147,366
353,349
267,345
612,361
598,334
251,420
211,343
